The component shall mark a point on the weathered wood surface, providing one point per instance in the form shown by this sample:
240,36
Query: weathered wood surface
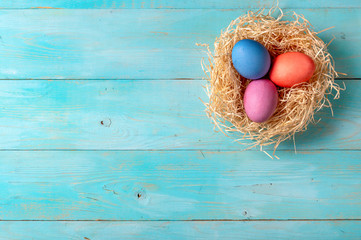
140,43
179,185
129,114
124,137
281,230
176,4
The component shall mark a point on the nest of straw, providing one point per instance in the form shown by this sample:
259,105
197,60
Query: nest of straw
297,105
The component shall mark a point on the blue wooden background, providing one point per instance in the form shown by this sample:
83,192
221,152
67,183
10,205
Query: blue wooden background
103,135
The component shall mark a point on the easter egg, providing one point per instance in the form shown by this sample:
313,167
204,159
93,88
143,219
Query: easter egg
291,68
251,59
260,100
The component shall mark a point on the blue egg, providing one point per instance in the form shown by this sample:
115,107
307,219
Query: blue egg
251,59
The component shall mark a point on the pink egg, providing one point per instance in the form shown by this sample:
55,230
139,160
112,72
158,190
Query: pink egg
260,100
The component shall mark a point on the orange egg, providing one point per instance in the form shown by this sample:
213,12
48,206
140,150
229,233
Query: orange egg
291,68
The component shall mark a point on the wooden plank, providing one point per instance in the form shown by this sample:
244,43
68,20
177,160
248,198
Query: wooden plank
139,44
132,114
179,185
174,4
310,230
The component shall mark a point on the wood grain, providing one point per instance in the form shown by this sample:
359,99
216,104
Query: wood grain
122,149
175,4
179,185
331,230
158,44
132,114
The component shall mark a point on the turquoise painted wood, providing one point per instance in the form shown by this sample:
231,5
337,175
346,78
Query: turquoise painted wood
171,4
149,114
100,119
179,185
158,44
281,230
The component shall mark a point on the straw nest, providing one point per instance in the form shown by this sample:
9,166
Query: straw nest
297,105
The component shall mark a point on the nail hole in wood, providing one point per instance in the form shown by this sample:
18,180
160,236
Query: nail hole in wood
106,122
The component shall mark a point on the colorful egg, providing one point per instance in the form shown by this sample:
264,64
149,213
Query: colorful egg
251,59
291,68
260,100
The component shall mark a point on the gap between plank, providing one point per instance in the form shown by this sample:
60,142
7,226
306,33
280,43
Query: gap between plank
124,79
192,220
175,150
170,8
